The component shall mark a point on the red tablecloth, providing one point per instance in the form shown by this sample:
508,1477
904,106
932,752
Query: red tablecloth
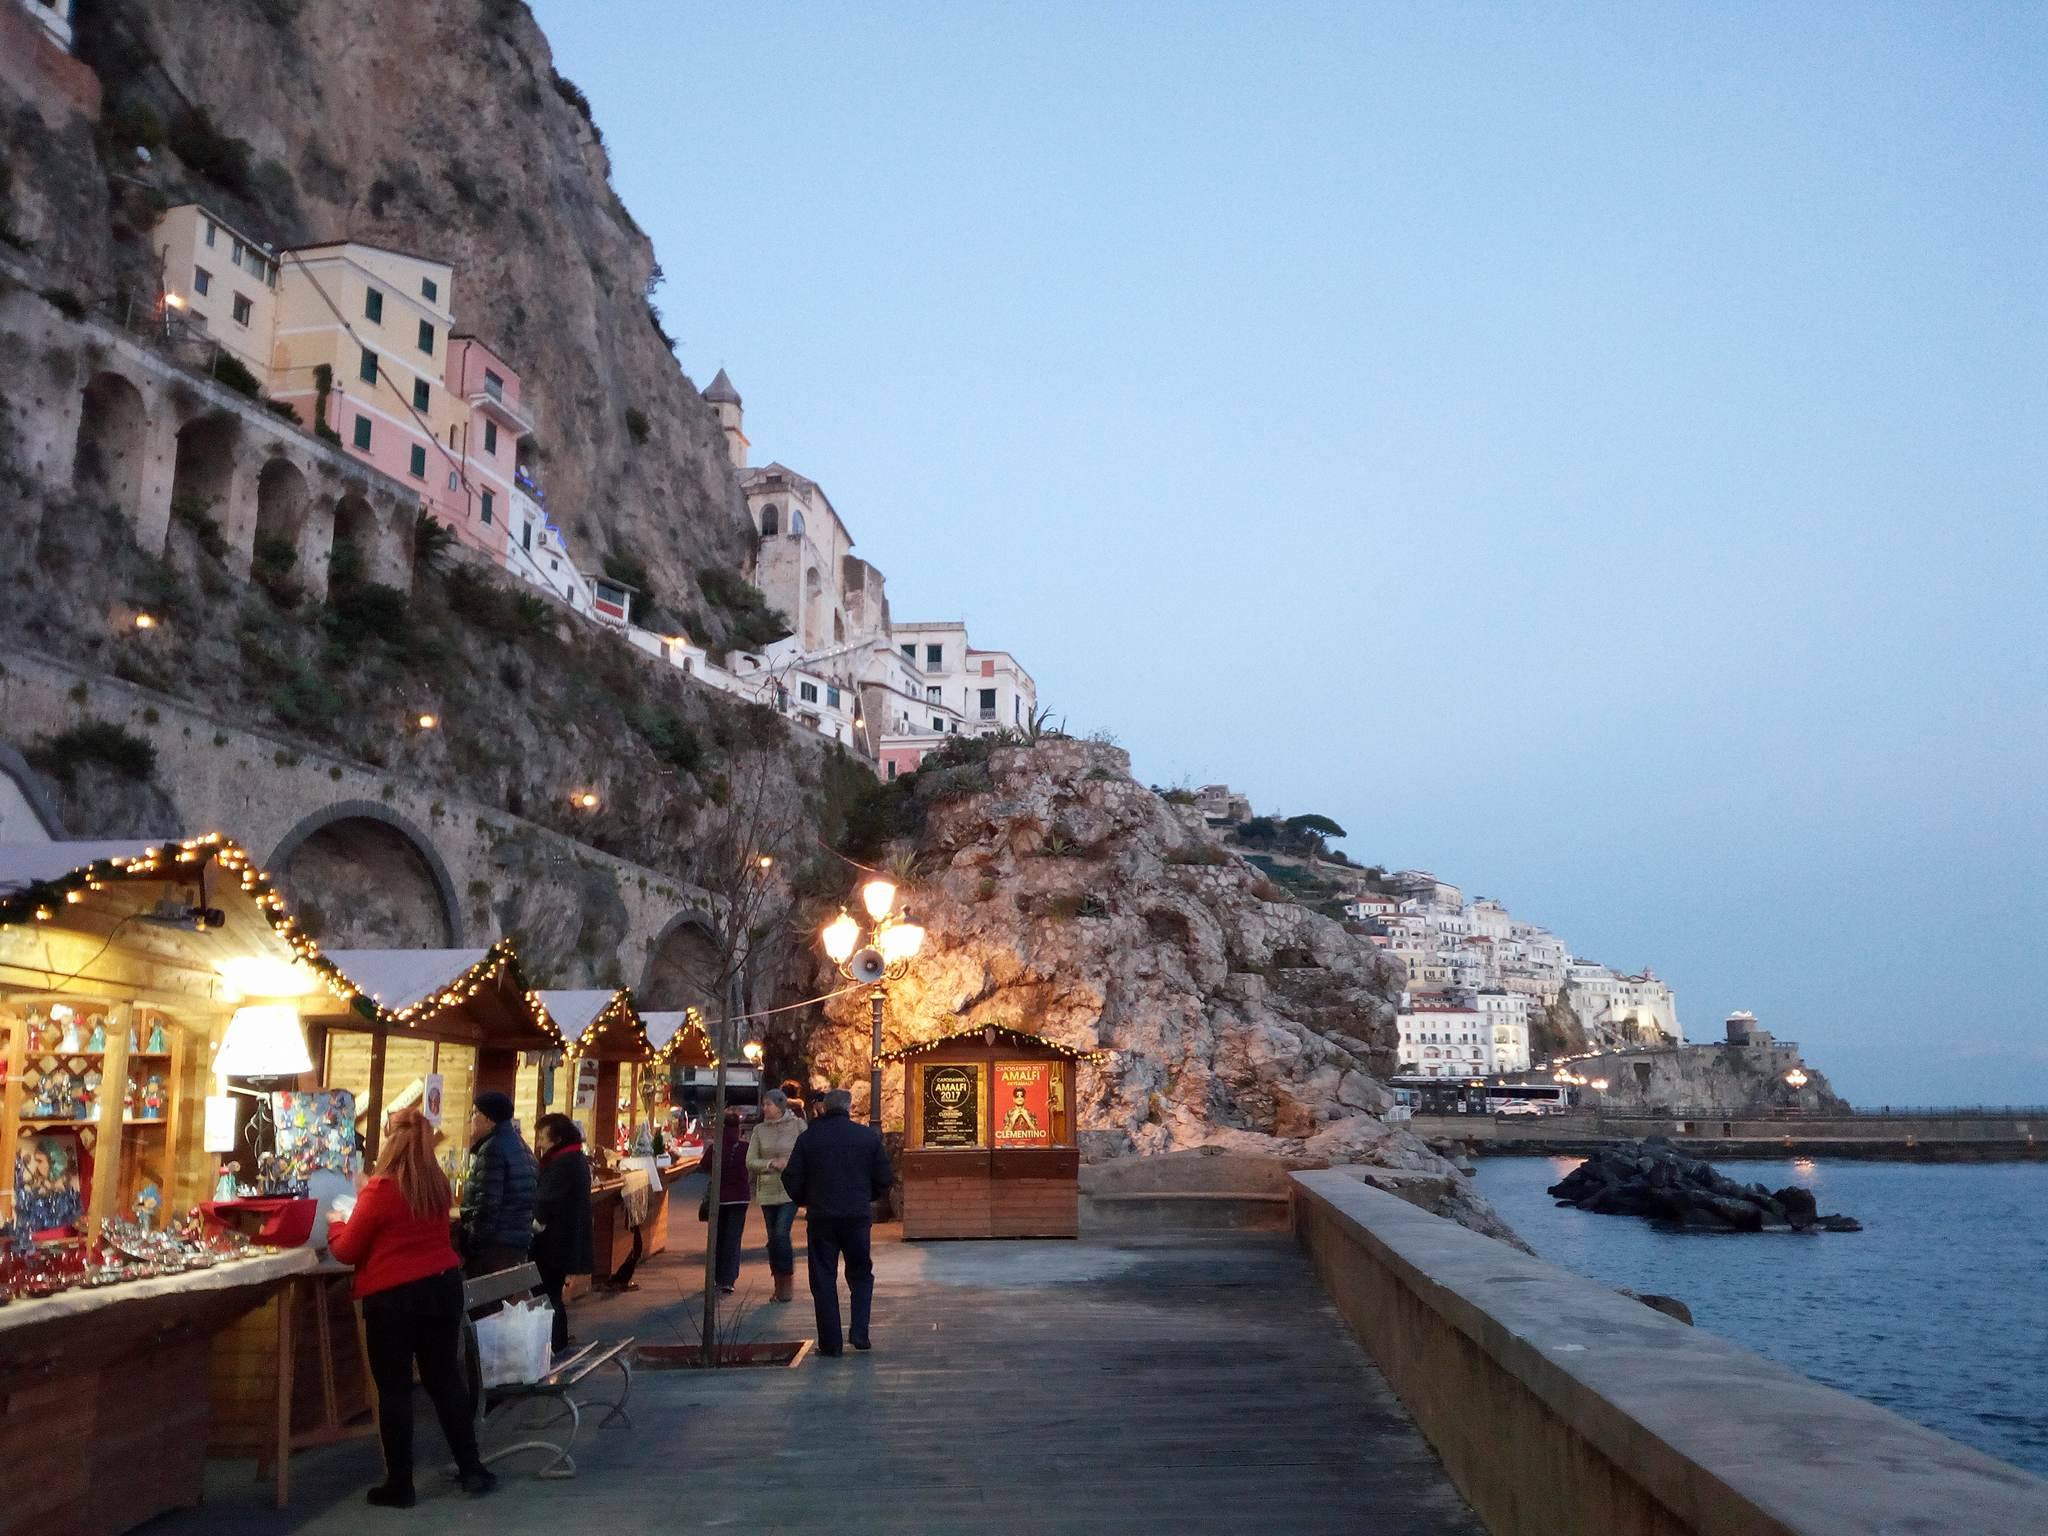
277,1221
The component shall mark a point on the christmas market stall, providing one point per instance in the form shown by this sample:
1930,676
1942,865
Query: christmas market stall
989,1146
150,996
436,1027
618,1095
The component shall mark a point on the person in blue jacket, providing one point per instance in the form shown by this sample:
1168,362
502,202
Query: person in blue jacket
836,1172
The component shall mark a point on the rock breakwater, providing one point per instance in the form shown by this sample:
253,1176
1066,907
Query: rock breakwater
1653,1179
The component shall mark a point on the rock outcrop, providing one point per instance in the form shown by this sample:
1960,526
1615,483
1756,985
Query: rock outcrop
1065,899
1651,1179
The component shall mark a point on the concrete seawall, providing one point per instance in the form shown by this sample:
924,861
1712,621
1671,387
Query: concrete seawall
1561,1408
2021,1137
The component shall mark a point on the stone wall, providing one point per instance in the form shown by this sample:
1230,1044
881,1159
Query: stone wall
380,858
1561,1408
99,412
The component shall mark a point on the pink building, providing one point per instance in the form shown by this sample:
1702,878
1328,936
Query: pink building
486,446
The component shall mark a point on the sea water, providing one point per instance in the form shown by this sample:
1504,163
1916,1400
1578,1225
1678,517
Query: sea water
1937,1309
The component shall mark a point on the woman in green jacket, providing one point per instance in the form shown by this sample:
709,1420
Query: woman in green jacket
767,1155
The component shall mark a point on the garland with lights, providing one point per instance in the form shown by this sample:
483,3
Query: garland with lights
1004,1035
38,903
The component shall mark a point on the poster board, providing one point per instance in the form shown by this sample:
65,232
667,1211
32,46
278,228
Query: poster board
1021,1103
950,1097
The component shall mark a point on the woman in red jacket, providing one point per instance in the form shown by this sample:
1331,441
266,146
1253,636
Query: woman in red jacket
410,1284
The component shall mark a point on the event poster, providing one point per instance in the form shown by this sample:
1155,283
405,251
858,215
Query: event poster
952,1106
1022,1104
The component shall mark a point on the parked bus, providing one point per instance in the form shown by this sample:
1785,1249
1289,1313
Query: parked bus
1442,1095
1521,1098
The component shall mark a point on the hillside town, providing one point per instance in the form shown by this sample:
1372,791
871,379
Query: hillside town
363,346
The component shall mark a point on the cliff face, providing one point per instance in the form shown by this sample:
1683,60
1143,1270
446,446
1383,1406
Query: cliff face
433,126
1065,899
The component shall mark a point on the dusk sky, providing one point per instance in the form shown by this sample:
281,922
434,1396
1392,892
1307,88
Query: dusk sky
1594,453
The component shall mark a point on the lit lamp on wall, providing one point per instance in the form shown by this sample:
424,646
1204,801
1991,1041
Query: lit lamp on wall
1796,1078
265,1048
892,942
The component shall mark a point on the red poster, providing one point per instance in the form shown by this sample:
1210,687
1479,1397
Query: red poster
1020,1104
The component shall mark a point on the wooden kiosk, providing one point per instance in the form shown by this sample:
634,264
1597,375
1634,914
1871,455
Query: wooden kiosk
121,965
989,1145
610,1067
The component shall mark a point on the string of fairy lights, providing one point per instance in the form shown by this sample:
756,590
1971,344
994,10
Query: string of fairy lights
41,901
1004,1035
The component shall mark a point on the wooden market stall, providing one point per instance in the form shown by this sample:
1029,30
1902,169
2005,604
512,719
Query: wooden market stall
613,1074
990,1146
465,1015
122,968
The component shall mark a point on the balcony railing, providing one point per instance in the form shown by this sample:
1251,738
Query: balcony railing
988,712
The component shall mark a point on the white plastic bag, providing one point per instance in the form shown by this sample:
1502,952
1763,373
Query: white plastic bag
515,1345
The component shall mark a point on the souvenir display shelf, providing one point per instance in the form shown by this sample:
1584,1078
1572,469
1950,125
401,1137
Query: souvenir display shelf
989,1147
119,1154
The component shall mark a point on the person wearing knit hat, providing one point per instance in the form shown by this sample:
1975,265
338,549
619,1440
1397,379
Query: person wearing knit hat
498,1190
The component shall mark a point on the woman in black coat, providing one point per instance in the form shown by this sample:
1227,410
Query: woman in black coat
561,1213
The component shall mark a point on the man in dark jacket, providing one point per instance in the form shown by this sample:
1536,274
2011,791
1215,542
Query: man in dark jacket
562,1244
497,1197
836,1172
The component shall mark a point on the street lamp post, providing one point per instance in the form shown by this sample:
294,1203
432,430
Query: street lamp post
892,941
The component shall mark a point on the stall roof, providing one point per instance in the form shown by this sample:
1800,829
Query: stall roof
415,987
173,916
598,1022
677,1036
397,979
23,865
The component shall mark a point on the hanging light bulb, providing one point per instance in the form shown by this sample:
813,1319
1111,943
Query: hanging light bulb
840,936
900,942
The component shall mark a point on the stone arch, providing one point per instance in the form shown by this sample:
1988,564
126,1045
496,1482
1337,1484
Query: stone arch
807,622
113,431
771,520
353,548
838,627
681,962
203,476
362,876
281,504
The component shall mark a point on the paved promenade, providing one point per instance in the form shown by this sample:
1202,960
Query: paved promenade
1175,1384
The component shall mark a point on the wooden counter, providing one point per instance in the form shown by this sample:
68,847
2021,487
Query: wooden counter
97,1400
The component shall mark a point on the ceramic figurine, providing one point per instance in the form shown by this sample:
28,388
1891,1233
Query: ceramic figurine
68,1039
158,1045
153,1098
128,1101
98,1039
134,1042
147,1203
224,1183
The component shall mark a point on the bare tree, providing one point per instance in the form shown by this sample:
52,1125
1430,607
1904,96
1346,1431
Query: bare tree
739,858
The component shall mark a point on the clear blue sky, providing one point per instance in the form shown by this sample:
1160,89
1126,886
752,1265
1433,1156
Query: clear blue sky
1593,452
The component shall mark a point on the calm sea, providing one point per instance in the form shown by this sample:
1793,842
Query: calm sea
1938,1308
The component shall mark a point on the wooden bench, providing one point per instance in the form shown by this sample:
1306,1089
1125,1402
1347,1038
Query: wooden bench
558,1388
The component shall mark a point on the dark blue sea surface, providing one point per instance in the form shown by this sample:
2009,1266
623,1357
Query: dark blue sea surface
1937,1309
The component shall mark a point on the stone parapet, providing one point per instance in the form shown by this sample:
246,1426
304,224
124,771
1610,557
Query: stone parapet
1561,1408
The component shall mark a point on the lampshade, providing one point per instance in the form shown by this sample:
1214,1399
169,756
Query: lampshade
263,1040
840,936
900,942
879,897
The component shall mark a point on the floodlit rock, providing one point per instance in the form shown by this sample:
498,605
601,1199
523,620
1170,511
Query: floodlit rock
1062,898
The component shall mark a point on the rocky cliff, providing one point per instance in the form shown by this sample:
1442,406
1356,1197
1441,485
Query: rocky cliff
1065,899
434,126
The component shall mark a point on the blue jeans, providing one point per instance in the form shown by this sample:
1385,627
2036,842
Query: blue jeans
781,1252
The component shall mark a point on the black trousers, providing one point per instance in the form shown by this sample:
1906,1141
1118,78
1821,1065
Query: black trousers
831,1239
552,1280
732,1228
419,1321
623,1277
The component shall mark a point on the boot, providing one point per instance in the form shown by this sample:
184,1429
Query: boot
785,1287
